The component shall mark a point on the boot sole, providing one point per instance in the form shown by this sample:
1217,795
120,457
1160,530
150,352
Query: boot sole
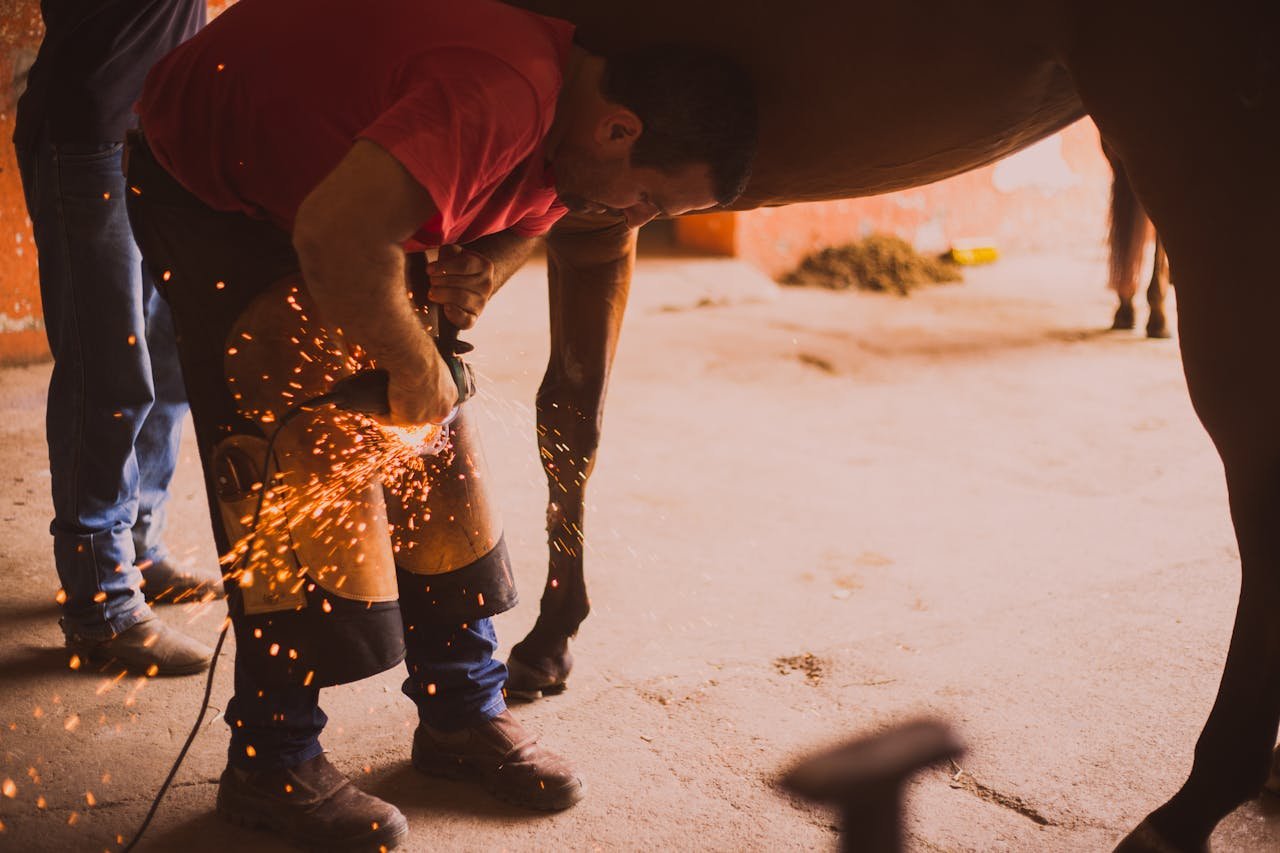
98,659
451,767
384,837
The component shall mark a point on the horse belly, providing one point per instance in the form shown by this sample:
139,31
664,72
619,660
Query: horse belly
859,98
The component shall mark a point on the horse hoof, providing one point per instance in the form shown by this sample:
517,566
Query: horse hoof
1145,839
1124,319
1272,785
528,683
1158,331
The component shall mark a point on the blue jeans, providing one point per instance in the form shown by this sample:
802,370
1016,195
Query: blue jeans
453,679
116,399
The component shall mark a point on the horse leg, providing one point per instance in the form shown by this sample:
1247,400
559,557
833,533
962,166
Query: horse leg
1188,101
589,264
1230,360
1126,317
1126,236
1157,323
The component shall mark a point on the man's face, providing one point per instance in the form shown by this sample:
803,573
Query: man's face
588,183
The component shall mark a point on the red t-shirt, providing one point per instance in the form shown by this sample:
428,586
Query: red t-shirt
262,104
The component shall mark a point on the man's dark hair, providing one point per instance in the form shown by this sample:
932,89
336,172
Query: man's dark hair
697,107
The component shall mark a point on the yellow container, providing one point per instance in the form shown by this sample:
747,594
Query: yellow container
971,252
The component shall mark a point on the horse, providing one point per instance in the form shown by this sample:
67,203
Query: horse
870,96
1128,230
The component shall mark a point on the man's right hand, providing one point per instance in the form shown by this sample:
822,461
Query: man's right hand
421,391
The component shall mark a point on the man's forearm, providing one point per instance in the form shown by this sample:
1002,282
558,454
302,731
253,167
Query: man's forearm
361,295
349,235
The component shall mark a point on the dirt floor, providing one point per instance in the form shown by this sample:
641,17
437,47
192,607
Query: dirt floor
815,514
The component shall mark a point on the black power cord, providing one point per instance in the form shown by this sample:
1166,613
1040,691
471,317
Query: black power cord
364,392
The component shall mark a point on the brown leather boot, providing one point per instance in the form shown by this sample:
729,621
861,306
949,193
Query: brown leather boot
148,648
166,582
312,804
504,758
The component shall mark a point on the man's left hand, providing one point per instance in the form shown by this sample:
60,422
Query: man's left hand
461,282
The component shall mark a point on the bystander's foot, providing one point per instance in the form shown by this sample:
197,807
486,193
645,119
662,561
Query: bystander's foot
148,648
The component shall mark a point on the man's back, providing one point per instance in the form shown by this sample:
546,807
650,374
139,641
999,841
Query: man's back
254,111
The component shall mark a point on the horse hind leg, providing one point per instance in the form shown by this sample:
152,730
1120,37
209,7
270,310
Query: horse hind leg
1230,359
1169,87
1157,321
1272,785
1126,236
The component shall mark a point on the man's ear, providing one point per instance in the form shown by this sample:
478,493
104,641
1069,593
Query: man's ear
618,129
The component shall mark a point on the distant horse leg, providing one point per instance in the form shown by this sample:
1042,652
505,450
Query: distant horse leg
1126,236
1157,323
1126,317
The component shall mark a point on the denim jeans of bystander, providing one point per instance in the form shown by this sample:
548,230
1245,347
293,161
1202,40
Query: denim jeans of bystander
116,401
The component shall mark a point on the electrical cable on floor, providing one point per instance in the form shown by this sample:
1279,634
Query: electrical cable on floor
182,754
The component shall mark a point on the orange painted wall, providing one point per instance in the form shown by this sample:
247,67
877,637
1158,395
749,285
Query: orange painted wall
21,326
1052,196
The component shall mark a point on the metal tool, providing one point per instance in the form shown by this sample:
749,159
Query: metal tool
366,391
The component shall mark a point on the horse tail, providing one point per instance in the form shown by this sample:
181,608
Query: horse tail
1127,232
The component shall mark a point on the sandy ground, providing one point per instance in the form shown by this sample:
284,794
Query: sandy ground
814,514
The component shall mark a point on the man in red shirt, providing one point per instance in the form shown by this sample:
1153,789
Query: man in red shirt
294,161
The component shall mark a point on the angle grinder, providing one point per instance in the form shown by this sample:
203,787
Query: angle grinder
366,391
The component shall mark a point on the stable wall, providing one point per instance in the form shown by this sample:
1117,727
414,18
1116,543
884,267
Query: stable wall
21,327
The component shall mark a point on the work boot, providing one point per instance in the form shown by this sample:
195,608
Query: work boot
312,804
147,648
504,758
164,581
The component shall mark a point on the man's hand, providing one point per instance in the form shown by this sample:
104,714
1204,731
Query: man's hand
422,394
461,282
